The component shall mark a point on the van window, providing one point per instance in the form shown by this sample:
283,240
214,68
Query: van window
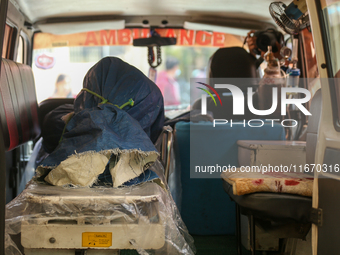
332,21
7,41
65,59
21,50
310,64
331,14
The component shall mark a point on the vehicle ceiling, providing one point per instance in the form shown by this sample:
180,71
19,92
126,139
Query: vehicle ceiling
222,12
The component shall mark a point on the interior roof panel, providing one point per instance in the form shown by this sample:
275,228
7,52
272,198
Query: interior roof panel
37,10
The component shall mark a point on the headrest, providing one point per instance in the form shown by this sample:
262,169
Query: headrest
233,62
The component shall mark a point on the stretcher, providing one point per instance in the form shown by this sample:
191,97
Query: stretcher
99,220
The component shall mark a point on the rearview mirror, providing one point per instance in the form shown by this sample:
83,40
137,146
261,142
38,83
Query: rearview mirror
155,41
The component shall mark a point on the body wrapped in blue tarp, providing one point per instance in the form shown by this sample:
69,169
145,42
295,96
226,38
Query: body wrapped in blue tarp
119,132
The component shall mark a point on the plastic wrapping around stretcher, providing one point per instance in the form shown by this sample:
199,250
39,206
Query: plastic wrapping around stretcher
141,217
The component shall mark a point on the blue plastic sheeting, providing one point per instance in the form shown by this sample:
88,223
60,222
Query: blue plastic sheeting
204,206
99,127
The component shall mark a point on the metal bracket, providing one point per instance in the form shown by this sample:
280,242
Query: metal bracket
316,216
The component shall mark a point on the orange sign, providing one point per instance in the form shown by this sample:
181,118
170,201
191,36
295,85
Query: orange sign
97,239
125,37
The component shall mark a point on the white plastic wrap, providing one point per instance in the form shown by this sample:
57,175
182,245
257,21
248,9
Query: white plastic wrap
141,217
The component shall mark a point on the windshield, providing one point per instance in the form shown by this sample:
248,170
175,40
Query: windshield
60,62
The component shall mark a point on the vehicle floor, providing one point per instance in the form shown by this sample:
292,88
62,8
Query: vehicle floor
210,245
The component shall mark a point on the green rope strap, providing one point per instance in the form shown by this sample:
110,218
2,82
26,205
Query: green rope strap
130,102
104,101
61,138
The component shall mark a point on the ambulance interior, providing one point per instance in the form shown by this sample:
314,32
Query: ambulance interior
126,91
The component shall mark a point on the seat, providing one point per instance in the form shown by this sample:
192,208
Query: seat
278,207
18,105
232,62
201,199
50,104
200,143
18,118
271,206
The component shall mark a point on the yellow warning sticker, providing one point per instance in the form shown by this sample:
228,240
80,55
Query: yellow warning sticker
97,239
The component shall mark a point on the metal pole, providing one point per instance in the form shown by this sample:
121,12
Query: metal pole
238,230
252,234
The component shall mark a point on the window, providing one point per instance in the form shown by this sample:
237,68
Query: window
331,14
310,64
65,59
332,21
21,51
6,48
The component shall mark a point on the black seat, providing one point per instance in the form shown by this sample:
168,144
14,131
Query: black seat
233,62
18,104
278,207
50,104
50,112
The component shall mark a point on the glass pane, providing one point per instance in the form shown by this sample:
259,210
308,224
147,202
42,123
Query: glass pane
332,20
20,54
6,41
331,15
60,62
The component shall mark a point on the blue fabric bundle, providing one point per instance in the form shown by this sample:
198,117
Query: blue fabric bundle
118,81
99,127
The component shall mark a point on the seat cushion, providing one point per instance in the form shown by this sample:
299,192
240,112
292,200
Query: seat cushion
288,183
278,207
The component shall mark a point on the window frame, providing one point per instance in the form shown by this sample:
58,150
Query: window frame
329,67
26,47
